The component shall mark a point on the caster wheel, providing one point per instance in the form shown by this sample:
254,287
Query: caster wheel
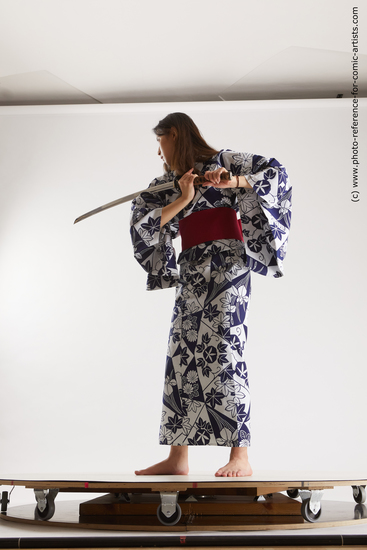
359,494
175,518
293,493
47,513
306,512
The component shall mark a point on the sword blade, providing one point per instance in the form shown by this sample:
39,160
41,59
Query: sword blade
154,189
127,198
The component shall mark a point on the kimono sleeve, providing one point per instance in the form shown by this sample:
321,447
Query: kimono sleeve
152,244
265,210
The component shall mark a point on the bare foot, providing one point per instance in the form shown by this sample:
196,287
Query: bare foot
164,468
238,465
176,464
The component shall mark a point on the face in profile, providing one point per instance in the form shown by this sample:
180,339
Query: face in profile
166,147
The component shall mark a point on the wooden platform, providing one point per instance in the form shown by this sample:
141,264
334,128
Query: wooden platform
203,503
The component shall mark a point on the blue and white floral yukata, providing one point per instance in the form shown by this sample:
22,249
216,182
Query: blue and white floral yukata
206,399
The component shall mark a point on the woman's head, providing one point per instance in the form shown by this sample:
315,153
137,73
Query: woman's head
181,142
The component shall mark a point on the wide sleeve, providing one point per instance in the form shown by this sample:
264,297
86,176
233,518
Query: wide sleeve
152,244
265,210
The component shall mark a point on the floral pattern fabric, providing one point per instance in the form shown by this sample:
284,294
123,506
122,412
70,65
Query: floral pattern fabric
206,398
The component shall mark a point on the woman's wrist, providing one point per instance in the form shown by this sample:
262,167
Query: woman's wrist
241,181
172,209
183,200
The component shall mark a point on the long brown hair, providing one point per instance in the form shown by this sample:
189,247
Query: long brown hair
190,145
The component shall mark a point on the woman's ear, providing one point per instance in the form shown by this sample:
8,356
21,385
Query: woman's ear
174,133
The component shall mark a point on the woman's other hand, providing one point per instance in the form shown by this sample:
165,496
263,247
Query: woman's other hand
213,178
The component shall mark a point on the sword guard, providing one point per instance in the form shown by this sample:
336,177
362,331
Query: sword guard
177,186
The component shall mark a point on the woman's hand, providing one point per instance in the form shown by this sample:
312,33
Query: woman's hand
215,181
213,178
186,183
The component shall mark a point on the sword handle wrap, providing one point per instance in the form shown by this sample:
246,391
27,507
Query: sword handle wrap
225,176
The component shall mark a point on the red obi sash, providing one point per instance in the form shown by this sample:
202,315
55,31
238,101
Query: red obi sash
212,224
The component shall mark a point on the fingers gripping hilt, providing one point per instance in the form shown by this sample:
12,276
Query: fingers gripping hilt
225,176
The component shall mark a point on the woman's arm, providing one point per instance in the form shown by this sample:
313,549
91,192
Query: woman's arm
188,191
186,184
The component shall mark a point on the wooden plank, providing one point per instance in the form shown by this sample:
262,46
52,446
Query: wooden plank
126,482
144,505
133,487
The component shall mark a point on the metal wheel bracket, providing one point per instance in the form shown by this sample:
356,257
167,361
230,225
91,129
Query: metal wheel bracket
45,496
315,499
41,499
169,503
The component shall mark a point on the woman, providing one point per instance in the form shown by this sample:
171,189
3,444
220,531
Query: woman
206,398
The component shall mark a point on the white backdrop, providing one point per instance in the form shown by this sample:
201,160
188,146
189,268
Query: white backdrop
83,343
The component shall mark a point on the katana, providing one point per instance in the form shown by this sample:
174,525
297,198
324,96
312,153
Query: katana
225,176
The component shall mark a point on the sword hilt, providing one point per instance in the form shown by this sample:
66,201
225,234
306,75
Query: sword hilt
225,176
